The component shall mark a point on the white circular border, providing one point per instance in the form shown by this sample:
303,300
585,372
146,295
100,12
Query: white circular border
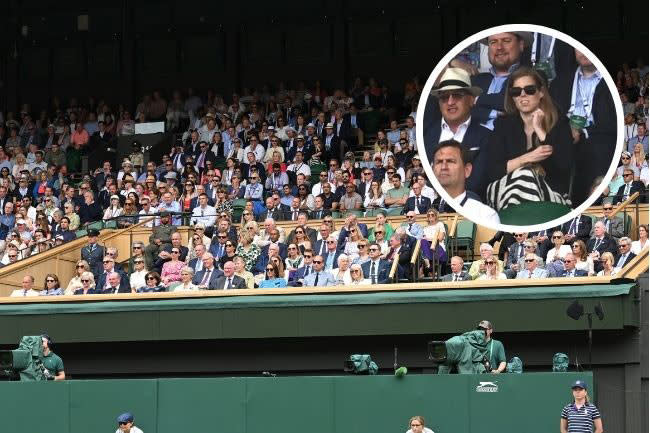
426,91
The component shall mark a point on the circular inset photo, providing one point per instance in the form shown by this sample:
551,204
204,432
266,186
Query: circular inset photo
517,128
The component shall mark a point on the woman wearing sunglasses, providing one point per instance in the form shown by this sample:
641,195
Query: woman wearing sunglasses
87,280
152,283
75,283
531,145
272,277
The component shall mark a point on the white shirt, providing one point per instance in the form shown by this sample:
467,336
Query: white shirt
205,215
479,211
21,292
427,192
301,168
318,189
137,279
258,151
152,211
447,134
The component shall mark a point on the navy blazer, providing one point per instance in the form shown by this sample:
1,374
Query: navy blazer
382,273
124,281
487,102
212,284
299,274
629,257
576,273
637,186
474,140
584,228
425,204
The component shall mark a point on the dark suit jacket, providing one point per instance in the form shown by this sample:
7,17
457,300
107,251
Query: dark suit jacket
608,244
630,256
246,168
513,256
508,141
237,283
464,276
124,281
334,151
317,215
295,277
637,186
487,102
276,214
425,204
576,273
475,139
584,228
212,284
109,291
382,273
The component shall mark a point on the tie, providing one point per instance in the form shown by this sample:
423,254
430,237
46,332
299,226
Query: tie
323,246
295,215
597,244
621,261
417,201
530,274
115,289
373,275
455,277
441,206
199,163
307,271
627,190
316,279
572,229
410,226
206,277
229,285
521,250
177,160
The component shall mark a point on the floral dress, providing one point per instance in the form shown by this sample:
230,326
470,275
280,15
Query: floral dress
250,256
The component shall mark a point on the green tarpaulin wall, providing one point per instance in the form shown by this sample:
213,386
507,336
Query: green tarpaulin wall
529,402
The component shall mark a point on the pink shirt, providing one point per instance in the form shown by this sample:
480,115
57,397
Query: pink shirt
171,271
80,137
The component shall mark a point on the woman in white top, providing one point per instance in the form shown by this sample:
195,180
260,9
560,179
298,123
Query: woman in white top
435,228
342,274
127,168
75,283
186,281
115,209
356,275
236,151
351,248
20,165
416,425
375,198
275,147
642,243
607,259
584,262
136,280
492,272
559,250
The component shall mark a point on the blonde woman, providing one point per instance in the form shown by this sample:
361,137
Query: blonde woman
19,166
186,281
356,275
246,249
416,425
75,283
87,285
491,271
342,273
241,271
607,259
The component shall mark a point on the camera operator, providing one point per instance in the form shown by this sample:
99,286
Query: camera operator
494,351
51,361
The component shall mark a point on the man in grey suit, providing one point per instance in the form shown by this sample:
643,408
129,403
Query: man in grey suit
532,271
457,272
613,224
229,280
207,278
319,277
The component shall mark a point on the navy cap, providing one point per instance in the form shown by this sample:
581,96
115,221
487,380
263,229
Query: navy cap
579,384
125,417
93,232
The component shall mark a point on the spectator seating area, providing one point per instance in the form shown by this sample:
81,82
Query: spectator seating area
289,188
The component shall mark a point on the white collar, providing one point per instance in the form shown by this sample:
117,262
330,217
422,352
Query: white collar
465,124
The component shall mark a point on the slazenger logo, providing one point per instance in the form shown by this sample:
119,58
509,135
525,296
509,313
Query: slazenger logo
487,387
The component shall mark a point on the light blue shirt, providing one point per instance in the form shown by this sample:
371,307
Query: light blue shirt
495,87
393,136
584,95
324,279
254,191
329,263
174,206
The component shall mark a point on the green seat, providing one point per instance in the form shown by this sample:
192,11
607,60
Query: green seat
315,172
112,224
238,206
393,211
81,233
97,225
627,222
465,236
532,212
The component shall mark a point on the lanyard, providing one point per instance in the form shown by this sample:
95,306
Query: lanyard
533,53
587,103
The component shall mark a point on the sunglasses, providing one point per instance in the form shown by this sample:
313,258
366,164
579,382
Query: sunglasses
269,270
307,257
331,242
78,266
529,260
176,252
13,257
85,281
627,174
299,232
137,248
625,157
292,248
454,95
138,262
607,208
51,281
379,233
516,91
490,263
231,245
107,261
557,237
151,278
317,262
362,246
222,236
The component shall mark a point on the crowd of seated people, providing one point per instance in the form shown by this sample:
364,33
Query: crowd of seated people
287,156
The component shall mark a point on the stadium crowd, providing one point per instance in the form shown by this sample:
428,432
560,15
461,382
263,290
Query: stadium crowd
240,167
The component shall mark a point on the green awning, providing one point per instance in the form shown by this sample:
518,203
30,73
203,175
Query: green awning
324,300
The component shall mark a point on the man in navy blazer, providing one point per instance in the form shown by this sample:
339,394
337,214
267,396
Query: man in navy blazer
577,228
504,53
109,267
381,267
417,201
448,116
629,187
351,221
296,278
210,281
570,270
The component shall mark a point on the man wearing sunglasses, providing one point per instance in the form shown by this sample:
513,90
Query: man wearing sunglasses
570,270
532,270
377,270
613,224
629,187
125,424
452,119
319,277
